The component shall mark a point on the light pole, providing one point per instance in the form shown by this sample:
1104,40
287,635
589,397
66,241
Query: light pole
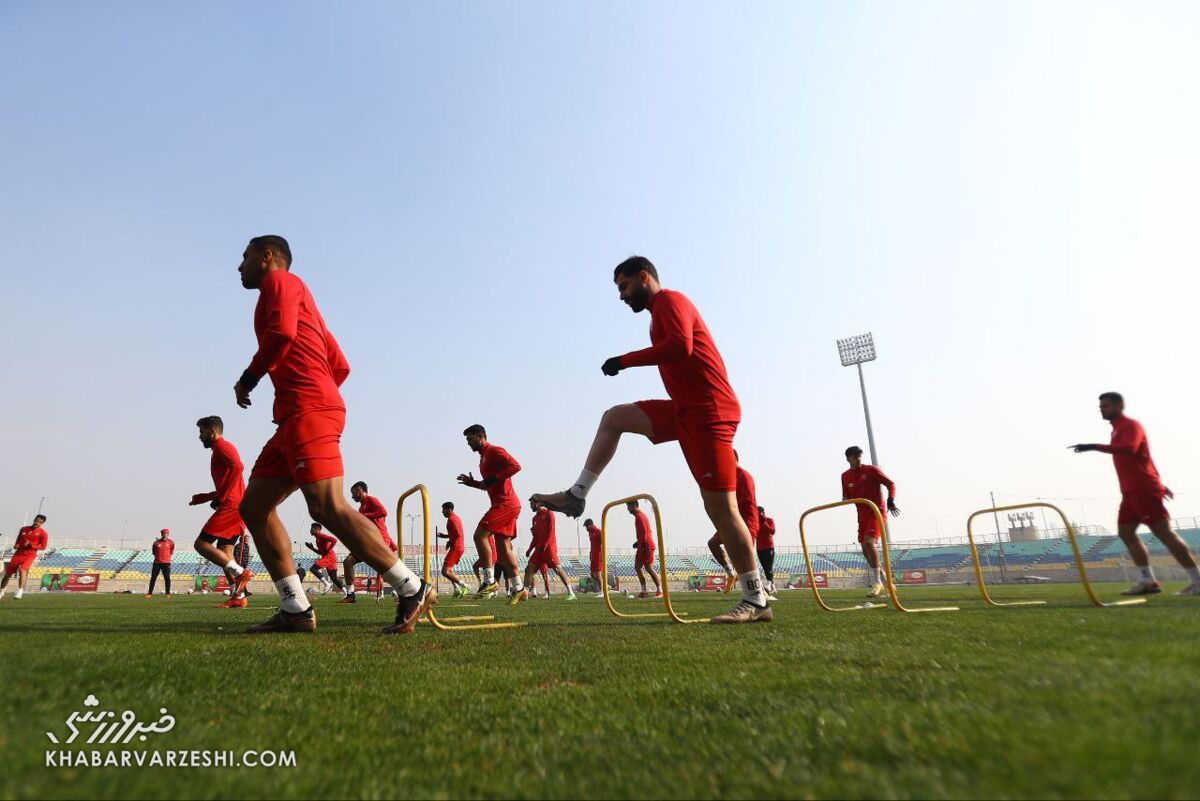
999,538
855,351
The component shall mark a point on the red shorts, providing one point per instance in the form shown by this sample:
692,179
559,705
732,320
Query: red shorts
20,561
868,524
644,558
225,524
543,559
306,447
707,446
328,561
501,521
1144,506
452,558
595,561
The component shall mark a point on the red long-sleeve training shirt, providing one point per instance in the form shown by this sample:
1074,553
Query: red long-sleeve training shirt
163,549
641,525
1131,457
454,532
766,534
747,500
31,539
371,508
325,543
225,466
495,462
688,360
867,482
543,529
296,349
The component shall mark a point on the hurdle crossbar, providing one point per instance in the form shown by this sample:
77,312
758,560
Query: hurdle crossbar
1070,529
662,563
887,563
462,623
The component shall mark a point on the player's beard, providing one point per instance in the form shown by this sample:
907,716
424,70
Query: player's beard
638,300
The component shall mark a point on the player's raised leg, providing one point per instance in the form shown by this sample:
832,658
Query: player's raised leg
718,553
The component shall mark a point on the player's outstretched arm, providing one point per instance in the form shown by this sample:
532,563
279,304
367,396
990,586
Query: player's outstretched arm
469,480
1083,448
892,508
202,497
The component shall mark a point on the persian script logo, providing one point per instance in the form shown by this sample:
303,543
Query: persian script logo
109,728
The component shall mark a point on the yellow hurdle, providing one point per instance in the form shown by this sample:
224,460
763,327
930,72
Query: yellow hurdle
433,619
662,563
887,563
1083,576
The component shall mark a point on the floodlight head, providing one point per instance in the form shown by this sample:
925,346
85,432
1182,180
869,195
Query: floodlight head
856,349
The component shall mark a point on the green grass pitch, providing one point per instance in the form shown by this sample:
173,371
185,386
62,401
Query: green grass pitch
1063,701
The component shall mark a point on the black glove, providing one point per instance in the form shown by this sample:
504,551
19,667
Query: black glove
1083,448
612,366
891,507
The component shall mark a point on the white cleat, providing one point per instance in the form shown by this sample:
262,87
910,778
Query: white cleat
876,590
1189,590
1144,588
745,612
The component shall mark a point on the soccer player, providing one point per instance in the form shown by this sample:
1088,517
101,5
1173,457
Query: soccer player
643,560
223,529
325,568
595,556
306,367
544,549
496,469
766,548
1142,494
455,548
370,507
30,540
867,481
702,414
163,548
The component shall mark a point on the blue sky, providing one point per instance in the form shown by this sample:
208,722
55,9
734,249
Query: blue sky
1004,193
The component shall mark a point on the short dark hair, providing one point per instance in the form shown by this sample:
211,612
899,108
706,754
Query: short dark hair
588,522
475,430
39,517
314,525
274,243
634,265
634,502
1115,397
213,422
448,505
362,484
854,450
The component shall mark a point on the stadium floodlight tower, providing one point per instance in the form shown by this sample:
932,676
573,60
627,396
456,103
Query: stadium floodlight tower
854,352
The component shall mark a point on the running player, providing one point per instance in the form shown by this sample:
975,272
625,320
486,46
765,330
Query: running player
1142,494
30,540
643,560
595,556
544,549
162,548
766,549
306,367
702,414
325,568
455,548
496,469
867,481
371,508
223,529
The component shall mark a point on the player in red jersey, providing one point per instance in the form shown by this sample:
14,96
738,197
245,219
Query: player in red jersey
595,556
30,540
224,528
163,549
766,548
371,508
496,469
455,548
1142,494
644,547
543,550
867,482
306,366
325,568
702,415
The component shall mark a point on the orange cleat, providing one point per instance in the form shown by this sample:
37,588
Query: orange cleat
148,595
239,585
238,603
